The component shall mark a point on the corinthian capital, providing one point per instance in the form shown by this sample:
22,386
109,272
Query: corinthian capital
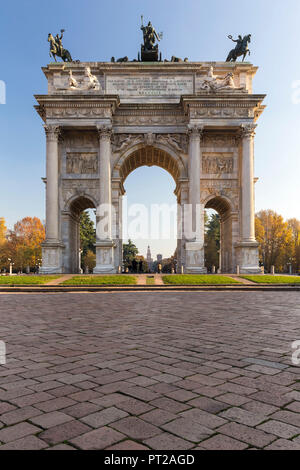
104,131
195,131
52,132
247,130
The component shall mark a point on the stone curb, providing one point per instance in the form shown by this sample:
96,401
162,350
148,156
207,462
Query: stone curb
152,288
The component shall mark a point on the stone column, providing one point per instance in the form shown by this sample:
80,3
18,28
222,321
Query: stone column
104,242
52,135
195,246
248,230
52,247
247,248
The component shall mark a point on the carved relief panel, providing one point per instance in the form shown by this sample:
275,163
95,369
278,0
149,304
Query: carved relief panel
217,163
82,163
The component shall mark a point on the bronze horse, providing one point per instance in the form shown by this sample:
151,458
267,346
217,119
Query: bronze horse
242,50
64,54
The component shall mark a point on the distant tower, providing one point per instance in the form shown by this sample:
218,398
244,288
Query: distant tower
149,259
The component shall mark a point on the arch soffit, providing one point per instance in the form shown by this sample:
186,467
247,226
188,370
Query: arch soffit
174,158
81,201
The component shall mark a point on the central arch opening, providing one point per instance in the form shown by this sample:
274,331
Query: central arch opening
150,177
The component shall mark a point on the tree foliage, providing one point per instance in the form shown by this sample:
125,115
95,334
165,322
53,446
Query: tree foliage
87,234
3,231
23,244
212,240
130,252
278,240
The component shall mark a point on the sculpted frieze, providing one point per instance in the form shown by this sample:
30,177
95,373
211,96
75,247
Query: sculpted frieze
179,142
221,112
82,163
217,163
77,112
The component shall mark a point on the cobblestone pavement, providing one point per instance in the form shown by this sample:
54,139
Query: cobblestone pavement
150,371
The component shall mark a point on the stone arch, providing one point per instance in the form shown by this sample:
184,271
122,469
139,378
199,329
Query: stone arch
149,155
224,207
80,202
71,229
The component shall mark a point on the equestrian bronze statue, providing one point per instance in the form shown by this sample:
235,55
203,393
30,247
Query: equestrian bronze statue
241,48
57,49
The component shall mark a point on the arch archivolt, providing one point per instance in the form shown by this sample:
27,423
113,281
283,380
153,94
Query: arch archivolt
157,153
80,202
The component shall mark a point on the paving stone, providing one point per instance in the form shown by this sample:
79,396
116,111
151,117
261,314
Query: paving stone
184,428
21,414
48,420
262,362
208,420
280,429
181,395
127,445
287,417
169,405
166,441
252,436
158,417
81,409
133,406
135,428
26,443
104,417
221,442
55,404
64,432
283,444
208,404
98,439
12,433
243,416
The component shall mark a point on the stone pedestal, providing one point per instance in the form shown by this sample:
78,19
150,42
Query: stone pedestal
104,258
195,258
52,254
247,258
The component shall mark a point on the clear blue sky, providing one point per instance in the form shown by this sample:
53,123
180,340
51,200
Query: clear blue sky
97,30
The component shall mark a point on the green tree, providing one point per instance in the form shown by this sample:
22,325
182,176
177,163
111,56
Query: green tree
212,240
87,234
129,253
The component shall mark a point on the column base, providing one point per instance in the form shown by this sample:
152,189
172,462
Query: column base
247,257
105,257
52,258
195,258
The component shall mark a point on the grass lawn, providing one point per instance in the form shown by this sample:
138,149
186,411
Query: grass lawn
26,280
150,281
197,279
111,279
266,279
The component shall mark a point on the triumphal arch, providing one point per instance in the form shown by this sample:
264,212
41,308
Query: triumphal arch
196,120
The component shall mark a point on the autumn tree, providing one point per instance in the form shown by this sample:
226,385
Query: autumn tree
23,244
89,260
275,237
294,225
3,231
